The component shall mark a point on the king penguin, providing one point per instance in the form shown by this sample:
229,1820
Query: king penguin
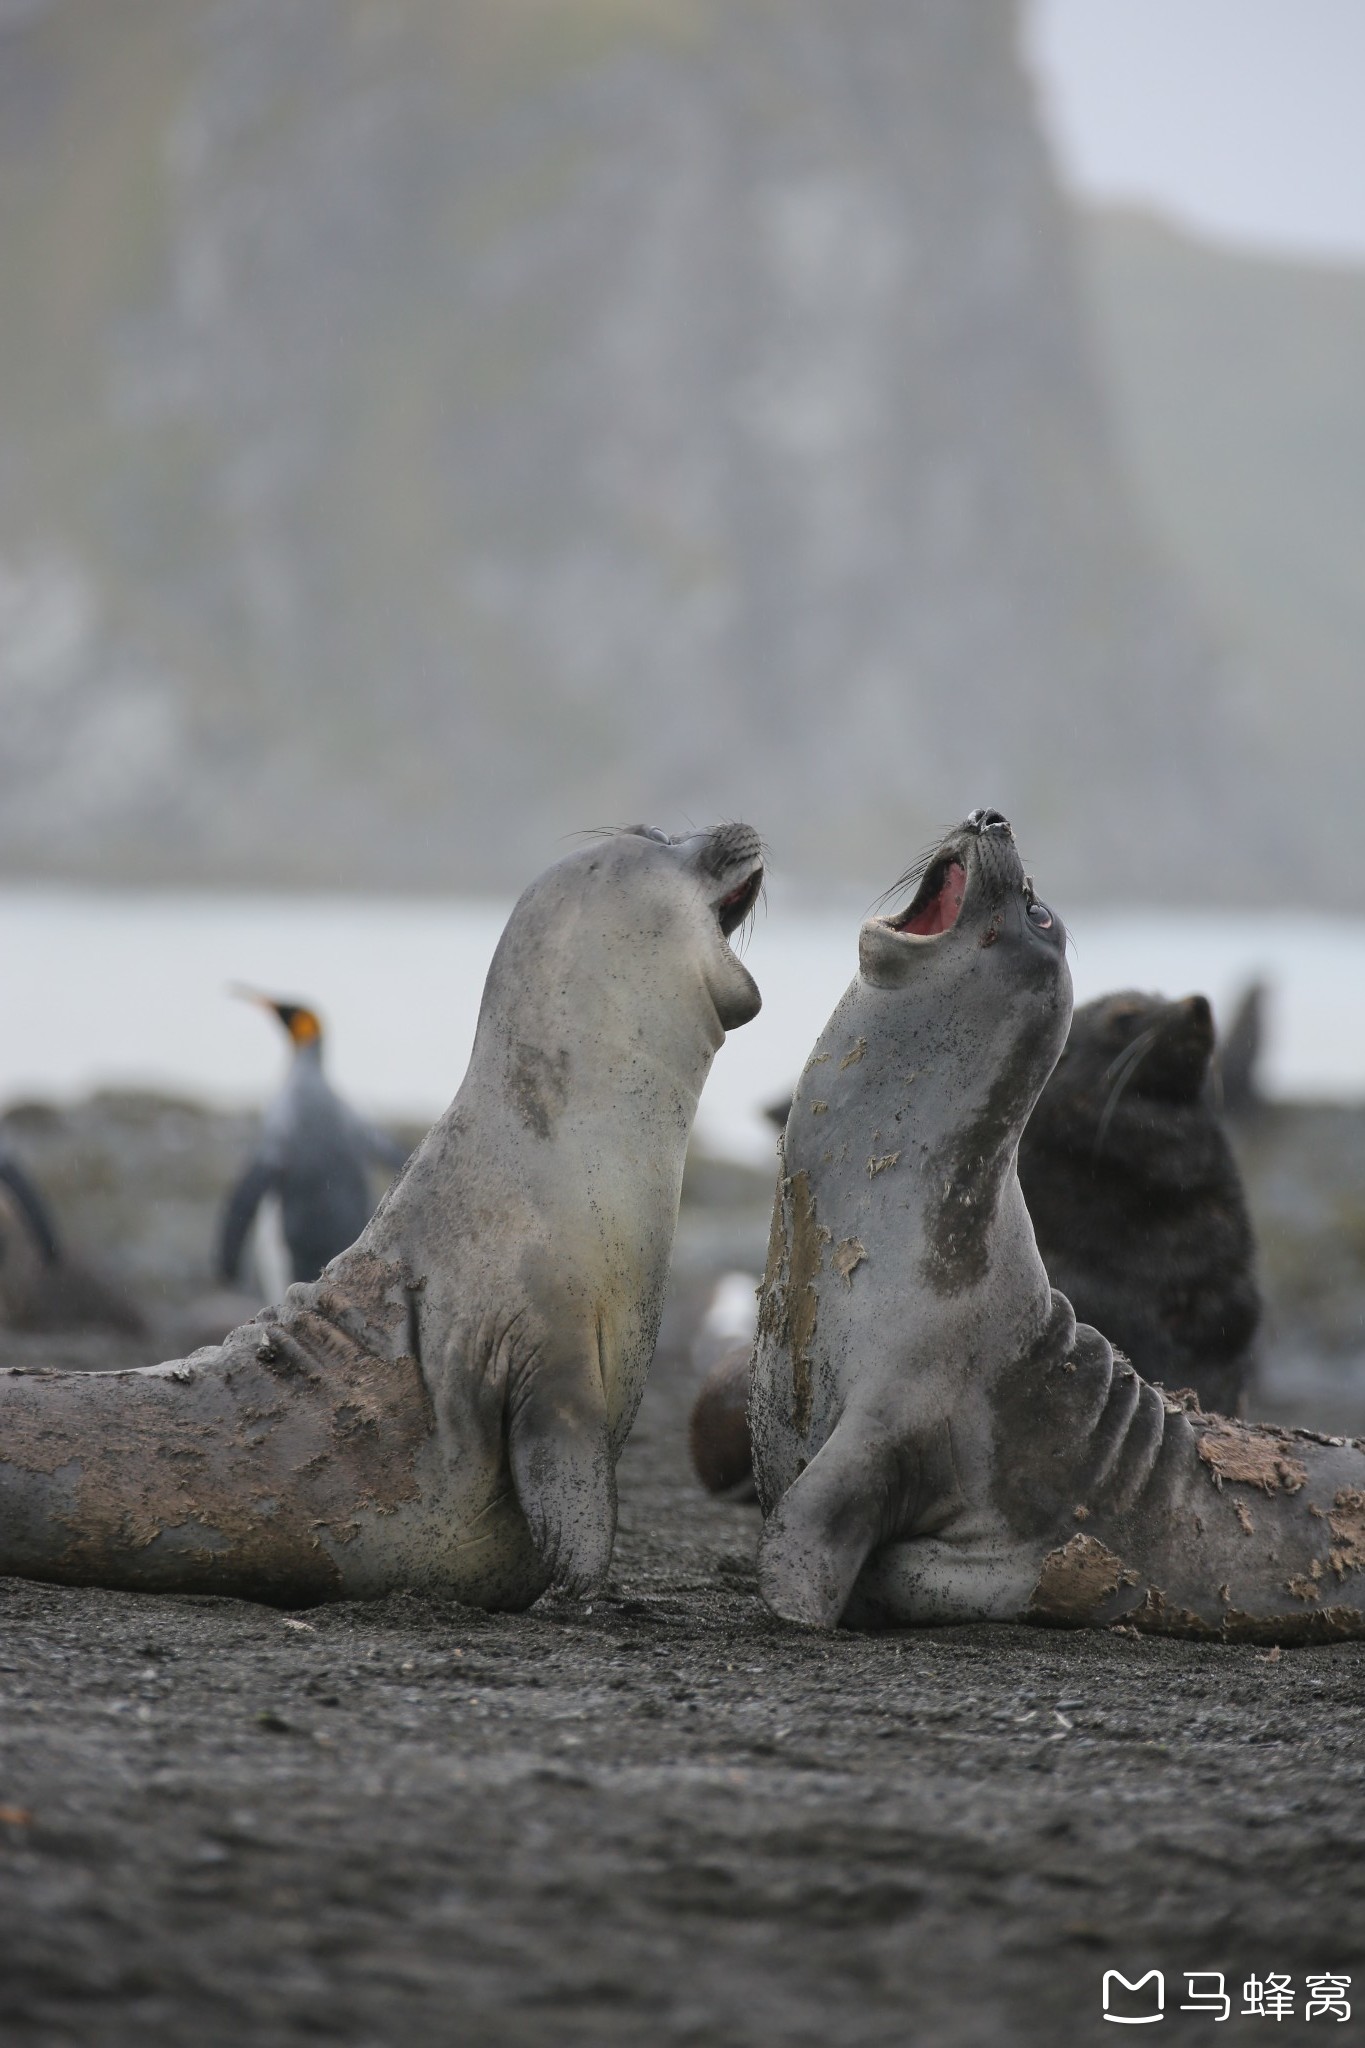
315,1154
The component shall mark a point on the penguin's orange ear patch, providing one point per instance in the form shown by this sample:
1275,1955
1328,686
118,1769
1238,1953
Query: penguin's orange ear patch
304,1027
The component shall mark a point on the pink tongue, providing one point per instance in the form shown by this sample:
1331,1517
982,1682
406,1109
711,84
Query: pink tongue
940,914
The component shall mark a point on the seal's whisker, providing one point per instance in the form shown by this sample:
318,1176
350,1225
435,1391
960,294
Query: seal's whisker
744,930
1125,1066
913,875
1135,1050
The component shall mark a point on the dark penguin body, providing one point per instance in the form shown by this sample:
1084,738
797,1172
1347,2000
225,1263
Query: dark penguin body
1136,1199
315,1154
30,1210
43,1286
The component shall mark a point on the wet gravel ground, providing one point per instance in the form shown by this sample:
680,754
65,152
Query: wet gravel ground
666,1818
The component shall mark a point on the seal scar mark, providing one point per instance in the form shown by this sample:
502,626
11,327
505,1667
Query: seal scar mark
851,1059
1074,1579
818,1108
802,1303
1347,1523
850,1253
1157,1616
1251,1455
1243,1514
538,1083
881,1164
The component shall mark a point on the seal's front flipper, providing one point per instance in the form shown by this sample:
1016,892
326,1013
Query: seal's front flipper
826,1525
560,1454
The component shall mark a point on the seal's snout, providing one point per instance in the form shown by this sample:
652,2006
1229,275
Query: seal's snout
731,846
967,878
988,821
733,857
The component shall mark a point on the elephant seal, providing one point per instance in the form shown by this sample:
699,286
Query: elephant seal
1136,1199
1136,1202
444,1407
935,1437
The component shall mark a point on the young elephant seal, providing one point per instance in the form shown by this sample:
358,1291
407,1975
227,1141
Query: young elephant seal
1135,1196
444,1407
935,1438
1137,1205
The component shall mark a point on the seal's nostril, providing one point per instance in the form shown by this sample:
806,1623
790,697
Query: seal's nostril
989,821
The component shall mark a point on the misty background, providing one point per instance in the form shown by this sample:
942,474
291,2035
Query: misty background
428,427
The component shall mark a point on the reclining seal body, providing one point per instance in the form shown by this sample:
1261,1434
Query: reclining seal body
935,1438
443,1407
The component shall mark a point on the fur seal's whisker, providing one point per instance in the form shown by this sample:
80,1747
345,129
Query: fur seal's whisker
911,879
1125,1066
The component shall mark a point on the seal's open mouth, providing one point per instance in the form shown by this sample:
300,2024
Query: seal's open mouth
938,900
734,908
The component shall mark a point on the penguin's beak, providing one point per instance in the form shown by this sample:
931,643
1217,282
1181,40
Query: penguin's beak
262,1001
252,995
302,1024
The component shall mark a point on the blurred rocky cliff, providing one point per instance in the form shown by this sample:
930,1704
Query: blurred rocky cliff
429,426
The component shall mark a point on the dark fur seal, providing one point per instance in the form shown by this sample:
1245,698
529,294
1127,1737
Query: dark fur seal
935,1437
444,1407
1136,1199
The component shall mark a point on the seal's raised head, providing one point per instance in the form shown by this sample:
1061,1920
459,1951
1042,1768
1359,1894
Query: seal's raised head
959,1008
632,930
708,883
1138,1044
974,935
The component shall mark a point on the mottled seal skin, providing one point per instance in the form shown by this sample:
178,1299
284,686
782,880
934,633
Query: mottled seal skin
935,1438
1136,1198
444,1407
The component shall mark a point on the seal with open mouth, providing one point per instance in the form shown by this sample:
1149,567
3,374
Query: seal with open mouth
935,1438
445,1406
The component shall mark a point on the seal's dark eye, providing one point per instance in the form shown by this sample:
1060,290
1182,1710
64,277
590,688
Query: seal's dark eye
1039,914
